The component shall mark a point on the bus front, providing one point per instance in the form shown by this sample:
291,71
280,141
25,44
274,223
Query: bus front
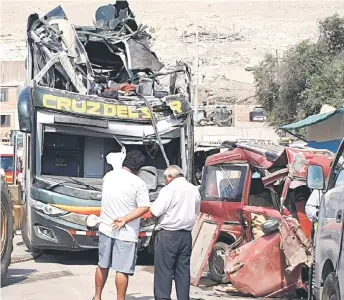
72,119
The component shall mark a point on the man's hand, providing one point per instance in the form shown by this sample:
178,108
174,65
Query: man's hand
119,223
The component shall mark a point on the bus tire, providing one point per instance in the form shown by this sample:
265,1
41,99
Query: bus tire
6,231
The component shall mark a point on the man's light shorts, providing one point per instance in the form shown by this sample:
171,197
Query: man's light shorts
119,255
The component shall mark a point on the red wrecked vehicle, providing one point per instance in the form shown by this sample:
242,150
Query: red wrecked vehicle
260,193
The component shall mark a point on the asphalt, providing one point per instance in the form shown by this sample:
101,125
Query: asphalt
56,276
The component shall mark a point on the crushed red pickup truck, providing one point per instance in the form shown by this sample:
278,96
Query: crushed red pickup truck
260,193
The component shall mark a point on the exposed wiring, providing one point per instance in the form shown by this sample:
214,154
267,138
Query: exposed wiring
154,149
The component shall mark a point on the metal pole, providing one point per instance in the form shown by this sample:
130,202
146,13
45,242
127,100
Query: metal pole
183,149
197,71
14,157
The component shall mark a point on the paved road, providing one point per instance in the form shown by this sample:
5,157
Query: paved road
58,276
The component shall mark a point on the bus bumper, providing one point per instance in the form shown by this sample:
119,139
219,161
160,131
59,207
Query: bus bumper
49,232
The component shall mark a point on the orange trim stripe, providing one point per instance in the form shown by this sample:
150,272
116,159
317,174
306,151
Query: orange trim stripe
80,209
91,233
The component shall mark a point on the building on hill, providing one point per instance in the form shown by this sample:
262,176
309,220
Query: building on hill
13,76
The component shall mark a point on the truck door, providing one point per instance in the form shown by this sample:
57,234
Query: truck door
341,266
331,220
223,190
336,195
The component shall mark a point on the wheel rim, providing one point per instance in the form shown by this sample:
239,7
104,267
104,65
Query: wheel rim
219,262
3,229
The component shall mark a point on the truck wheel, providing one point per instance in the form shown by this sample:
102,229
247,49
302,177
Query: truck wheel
25,234
217,263
6,233
329,290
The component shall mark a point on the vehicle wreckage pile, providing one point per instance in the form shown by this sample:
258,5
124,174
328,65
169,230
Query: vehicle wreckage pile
113,60
254,232
110,59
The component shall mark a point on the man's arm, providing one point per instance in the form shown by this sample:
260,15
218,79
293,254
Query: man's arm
312,206
198,203
161,204
142,201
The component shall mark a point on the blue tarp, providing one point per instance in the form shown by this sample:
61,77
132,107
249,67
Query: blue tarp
329,145
311,120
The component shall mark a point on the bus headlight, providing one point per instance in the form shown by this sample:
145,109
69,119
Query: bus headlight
46,208
92,221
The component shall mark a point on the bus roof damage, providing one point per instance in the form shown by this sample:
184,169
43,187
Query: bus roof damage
105,71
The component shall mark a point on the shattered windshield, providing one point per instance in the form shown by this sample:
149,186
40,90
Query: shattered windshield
224,182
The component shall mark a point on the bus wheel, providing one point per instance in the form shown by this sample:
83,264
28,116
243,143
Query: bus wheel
6,234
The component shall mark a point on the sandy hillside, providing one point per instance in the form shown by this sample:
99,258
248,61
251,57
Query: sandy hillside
234,34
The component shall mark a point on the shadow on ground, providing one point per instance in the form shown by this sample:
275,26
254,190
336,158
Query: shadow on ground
16,275
138,297
89,257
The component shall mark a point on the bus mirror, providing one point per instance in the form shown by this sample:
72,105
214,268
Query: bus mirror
315,177
24,110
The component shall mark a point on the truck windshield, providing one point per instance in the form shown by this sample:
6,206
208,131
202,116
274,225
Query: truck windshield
224,182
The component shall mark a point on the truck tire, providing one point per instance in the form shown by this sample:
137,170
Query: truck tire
24,233
329,290
216,263
6,231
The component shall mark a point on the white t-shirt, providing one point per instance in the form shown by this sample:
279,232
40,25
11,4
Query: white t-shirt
122,193
177,206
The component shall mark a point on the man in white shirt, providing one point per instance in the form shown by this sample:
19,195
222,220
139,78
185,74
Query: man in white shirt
176,207
125,199
312,206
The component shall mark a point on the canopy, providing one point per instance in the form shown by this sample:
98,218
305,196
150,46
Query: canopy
311,120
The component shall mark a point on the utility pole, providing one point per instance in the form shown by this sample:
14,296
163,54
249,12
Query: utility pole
197,70
208,38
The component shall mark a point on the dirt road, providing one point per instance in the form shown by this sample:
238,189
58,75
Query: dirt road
57,276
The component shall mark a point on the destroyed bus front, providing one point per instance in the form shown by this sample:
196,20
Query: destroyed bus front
76,110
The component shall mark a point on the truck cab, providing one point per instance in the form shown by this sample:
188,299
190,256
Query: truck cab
328,275
250,184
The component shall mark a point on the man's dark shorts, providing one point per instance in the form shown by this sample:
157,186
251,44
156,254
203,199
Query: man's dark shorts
119,255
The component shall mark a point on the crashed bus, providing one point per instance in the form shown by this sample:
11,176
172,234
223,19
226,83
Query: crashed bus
259,192
91,91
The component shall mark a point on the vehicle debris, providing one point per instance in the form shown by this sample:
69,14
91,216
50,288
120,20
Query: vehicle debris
204,236
260,192
217,116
